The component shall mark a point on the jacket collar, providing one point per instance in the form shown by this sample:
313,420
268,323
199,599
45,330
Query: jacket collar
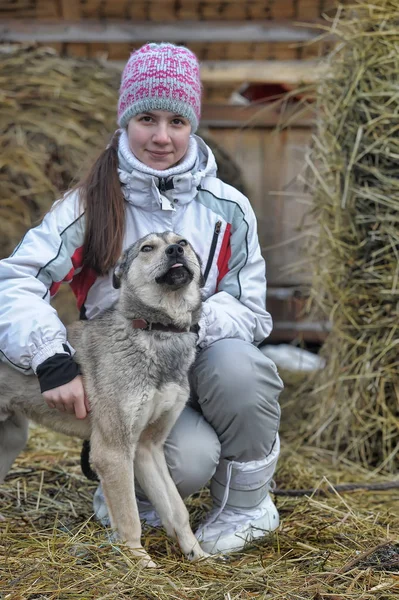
164,190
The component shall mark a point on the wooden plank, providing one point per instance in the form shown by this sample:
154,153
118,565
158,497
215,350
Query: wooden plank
219,50
95,30
79,50
309,331
270,161
167,10
292,72
23,9
218,95
256,51
287,307
70,10
171,10
228,72
267,116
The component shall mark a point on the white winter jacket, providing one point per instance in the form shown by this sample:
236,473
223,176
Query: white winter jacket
217,220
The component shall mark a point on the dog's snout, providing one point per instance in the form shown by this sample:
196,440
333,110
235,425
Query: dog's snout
174,250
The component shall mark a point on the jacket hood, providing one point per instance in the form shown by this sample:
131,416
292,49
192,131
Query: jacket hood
166,190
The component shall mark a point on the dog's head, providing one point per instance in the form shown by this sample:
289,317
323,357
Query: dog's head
162,258
156,265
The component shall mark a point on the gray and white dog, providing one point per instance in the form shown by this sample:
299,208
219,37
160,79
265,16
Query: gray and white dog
135,359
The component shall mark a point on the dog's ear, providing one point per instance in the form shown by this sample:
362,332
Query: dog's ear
118,272
116,280
124,263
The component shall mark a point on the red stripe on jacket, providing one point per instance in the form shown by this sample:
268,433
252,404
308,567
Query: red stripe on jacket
224,255
80,283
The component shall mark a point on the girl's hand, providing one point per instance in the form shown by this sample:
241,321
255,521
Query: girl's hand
70,398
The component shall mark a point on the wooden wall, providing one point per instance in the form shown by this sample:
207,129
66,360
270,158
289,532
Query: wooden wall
282,39
274,173
166,10
271,162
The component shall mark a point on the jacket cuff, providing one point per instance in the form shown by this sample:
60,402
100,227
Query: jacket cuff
57,346
57,370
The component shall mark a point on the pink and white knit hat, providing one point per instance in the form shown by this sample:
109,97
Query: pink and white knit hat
161,77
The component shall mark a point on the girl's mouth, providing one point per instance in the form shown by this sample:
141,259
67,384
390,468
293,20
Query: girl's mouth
158,154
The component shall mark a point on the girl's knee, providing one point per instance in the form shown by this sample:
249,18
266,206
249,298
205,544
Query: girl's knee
192,454
243,376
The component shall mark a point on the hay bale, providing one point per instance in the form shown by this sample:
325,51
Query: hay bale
356,256
56,114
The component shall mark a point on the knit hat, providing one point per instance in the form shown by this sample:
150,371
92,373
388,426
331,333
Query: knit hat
161,77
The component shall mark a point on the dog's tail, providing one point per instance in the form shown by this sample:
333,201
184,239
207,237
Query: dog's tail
85,462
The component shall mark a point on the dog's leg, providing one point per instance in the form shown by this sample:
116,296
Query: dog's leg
13,438
115,469
153,476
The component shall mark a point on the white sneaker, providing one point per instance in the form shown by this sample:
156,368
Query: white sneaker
146,511
233,528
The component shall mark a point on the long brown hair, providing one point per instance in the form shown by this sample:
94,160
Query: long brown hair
101,195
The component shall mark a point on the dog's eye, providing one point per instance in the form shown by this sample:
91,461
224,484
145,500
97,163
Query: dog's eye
146,248
183,243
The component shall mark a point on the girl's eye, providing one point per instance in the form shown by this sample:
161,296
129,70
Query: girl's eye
146,248
183,243
178,122
146,119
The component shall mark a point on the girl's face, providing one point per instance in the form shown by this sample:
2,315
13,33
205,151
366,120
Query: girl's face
159,138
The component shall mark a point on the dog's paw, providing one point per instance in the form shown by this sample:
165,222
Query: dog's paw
143,558
197,554
147,562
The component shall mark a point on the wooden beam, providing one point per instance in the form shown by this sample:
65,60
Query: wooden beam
226,72
290,72
287,331
112,31
70,9
260,115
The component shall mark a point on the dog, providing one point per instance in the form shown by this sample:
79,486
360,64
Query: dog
135,359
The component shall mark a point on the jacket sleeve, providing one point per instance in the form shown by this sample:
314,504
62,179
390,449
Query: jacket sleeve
238,308
30,330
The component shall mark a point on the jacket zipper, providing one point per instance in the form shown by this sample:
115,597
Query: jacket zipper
213,249
162,185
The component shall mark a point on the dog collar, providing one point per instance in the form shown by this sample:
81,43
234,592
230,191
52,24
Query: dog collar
150,326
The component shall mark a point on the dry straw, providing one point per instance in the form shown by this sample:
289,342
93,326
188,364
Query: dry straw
354,407
338,546
53,114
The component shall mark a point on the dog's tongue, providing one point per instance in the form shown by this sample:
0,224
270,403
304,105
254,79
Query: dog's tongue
176,265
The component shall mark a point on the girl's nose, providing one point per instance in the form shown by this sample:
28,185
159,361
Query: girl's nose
161,135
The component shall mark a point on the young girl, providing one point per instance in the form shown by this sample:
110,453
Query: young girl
156,175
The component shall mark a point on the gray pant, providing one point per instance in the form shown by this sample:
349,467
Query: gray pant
233,415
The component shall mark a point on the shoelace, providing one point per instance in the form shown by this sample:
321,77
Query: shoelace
215,514
219,511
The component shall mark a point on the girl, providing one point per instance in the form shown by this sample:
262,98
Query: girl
156,175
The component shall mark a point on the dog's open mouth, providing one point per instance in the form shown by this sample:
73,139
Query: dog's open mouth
177,275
